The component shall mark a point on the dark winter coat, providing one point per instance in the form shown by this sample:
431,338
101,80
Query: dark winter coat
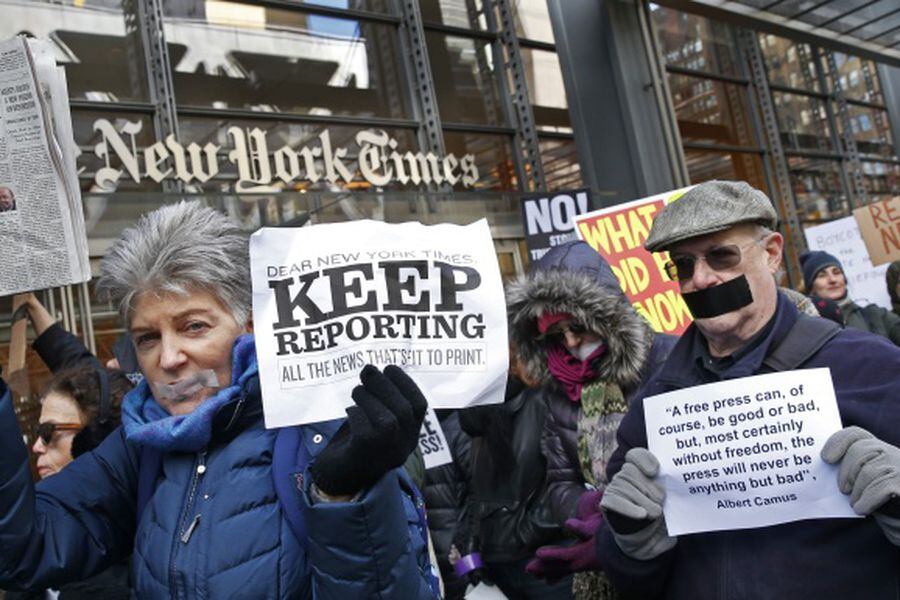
892,278
508,491
446,494
78,522
575,279
817,559
872,318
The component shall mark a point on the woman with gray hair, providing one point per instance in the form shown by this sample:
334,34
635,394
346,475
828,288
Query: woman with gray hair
211,503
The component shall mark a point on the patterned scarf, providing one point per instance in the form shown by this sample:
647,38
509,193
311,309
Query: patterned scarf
572,373
602,408
148,423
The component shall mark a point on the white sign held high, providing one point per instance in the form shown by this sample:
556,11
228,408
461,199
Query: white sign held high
329,299
745,453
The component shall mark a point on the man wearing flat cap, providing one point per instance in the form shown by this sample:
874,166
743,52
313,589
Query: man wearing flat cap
723,252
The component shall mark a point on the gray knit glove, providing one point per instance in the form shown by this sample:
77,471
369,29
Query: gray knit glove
870,468
632,493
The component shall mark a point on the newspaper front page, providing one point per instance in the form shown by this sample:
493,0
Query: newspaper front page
41,218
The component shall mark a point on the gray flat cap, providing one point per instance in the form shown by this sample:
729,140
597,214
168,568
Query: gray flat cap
708,208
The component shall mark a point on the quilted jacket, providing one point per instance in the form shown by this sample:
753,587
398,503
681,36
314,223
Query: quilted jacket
214,526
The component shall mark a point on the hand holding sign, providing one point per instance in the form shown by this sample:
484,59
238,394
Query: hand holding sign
380,433
870,468
634,494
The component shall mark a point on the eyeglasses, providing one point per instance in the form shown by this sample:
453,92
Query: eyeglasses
46,430
719,258
554,335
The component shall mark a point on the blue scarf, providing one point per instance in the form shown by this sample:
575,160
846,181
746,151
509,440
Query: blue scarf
149,424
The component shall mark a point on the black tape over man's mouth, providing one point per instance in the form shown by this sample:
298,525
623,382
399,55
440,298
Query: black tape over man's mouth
719,299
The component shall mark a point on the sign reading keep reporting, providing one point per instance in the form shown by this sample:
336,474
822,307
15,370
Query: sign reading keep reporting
331,298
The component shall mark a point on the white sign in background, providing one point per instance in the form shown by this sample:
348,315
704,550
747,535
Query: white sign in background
865,283
329,299
745,453
433,443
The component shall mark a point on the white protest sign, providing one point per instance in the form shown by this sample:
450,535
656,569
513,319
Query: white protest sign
433,443
329,299
745,452
842,238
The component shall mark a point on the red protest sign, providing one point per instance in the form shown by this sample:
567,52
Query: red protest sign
618,234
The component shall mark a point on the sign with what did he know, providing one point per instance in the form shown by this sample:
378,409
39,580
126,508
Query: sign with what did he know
744,453
331,298
618,233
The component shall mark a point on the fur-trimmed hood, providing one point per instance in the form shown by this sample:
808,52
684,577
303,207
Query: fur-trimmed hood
575,279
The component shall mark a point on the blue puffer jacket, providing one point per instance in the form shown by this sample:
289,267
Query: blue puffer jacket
214,526
821,559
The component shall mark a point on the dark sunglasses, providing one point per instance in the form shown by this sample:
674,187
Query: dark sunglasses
555,335
46,430
720,258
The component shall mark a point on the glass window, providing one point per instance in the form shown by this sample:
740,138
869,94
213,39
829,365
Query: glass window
693,42
274,60
789,63
559,158
882,179
455,13
871,130
817,188
493,158
102,62
464,79
858,78
803,122
705,165
532,19
546,91
711,111
202,9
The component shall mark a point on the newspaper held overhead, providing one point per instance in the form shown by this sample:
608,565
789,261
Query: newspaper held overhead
331,298
41,218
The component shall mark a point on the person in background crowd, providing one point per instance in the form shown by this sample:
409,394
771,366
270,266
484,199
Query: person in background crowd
892,278
188,483
578,337
73,422
509,508
446,498
823,276
803,303
723,251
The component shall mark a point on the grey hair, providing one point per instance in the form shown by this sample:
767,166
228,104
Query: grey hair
174,250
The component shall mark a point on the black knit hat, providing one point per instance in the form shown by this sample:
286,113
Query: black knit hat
814,261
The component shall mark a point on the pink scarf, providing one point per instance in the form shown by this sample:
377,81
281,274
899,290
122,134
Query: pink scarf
572,373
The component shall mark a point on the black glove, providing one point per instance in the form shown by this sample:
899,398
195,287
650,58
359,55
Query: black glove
380,432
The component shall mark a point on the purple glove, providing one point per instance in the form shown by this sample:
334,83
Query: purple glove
588,504
553,562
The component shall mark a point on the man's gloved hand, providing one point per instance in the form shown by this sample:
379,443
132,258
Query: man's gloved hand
380,432
553,562
633,494
870,468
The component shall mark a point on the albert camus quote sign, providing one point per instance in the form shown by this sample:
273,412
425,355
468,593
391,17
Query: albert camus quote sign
745,452
331,298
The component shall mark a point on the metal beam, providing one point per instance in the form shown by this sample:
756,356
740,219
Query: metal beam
748,16
812,8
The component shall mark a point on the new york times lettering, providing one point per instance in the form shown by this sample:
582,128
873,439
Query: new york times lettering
379,160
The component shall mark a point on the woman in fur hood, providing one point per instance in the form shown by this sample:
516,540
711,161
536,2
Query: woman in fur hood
579,337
